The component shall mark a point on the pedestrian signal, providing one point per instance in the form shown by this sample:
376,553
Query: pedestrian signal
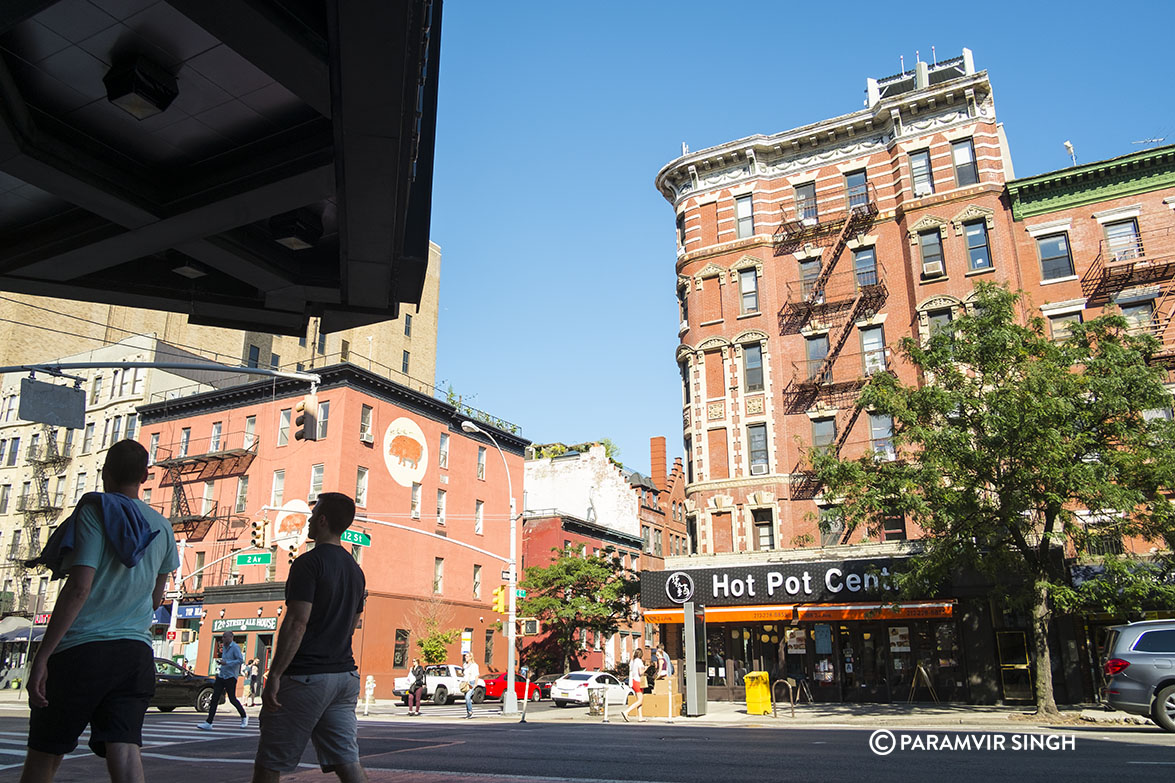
306,418
258,539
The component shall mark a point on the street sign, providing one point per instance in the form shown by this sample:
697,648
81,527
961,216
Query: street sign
255,558
356,538
171,636
42,619
505,576
520,593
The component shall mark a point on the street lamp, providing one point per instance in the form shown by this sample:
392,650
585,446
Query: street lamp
509,698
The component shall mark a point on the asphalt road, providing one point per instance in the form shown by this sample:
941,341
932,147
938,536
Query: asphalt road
493,749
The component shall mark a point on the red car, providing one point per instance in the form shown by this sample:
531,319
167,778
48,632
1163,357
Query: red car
496,686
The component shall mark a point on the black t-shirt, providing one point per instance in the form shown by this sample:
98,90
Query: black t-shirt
328,578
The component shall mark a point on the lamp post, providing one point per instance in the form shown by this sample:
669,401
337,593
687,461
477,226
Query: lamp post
509,698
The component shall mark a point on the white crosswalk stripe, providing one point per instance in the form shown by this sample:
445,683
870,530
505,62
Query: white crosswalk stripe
453,711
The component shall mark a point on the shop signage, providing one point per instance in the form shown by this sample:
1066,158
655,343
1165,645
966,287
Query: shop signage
190,611
356,538
770,583
253,624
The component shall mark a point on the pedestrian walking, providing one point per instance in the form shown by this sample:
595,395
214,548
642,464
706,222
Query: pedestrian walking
312,687
469,682
636,670
230,661
253,681
95,664
416,689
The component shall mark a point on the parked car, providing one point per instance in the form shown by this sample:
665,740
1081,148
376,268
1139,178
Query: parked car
545,682
573,688
442,684
1140,670
496,686
176,686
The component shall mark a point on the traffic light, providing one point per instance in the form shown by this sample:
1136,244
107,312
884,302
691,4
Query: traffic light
306,418
500,599
258,539
293,553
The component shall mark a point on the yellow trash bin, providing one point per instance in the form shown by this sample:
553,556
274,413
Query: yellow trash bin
758,693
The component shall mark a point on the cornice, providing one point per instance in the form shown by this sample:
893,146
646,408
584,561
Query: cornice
1127,175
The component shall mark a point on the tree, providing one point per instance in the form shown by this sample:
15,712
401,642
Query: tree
575,595
428,627
1012,444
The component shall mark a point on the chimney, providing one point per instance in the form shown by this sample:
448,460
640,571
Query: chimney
657,462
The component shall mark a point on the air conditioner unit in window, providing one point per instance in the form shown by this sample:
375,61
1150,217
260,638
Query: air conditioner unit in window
922,189
932,269
416,513
440,521
367,437
759,469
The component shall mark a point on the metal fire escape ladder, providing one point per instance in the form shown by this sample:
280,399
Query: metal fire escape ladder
1163,323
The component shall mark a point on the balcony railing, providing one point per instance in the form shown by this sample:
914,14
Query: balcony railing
844,368
1147,256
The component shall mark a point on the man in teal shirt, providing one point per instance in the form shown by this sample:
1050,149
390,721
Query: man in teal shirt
95,665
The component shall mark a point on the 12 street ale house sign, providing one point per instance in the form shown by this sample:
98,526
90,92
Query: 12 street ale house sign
747,585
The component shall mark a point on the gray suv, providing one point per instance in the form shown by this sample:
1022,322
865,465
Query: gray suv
1140,670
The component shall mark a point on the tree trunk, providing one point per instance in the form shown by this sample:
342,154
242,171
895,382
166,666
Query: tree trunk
1041,623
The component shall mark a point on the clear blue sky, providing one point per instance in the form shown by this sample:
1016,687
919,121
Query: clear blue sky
557,306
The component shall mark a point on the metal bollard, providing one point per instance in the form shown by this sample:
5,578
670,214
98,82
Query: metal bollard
525,698
369,689
605,720
669,709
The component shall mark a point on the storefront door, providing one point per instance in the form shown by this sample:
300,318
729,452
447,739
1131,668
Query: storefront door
863,660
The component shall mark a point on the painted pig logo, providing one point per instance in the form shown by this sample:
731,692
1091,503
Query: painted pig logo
679,587
291,525
406,449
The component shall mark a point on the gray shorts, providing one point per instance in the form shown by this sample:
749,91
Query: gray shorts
317,707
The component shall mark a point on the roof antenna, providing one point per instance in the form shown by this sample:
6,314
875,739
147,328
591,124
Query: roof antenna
1072,154
933,54
917,56
902,60
1150,141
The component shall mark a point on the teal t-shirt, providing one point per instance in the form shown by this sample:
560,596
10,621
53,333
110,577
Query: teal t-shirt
119,605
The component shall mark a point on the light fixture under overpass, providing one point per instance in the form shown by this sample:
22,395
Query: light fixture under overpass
140,87
297,230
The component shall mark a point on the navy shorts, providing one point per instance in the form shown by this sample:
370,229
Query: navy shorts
107,685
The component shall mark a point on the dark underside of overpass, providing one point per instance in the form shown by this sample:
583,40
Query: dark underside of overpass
252,163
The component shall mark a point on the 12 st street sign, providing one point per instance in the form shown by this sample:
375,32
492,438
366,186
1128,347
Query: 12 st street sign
356,538
255,558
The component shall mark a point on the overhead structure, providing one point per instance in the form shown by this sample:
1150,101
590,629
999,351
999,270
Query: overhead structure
252,163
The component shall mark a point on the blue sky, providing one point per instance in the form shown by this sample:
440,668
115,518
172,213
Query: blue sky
557,280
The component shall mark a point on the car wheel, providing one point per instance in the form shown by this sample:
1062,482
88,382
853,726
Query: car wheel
1163,709
204,700
535,695
165,709
560,703
479,695
441,696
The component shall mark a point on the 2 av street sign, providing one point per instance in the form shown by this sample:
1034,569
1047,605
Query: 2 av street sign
356,538
255,558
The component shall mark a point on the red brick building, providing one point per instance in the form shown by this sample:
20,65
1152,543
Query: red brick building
432,531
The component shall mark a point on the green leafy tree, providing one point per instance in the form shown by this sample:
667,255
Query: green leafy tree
435,641
1008,438
575,595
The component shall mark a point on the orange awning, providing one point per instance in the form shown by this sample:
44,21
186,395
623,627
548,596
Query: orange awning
911,610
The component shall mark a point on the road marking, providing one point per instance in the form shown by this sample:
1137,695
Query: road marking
496,776
167,757
1154,763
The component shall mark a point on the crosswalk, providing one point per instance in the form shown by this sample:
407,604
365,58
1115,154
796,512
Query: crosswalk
454,710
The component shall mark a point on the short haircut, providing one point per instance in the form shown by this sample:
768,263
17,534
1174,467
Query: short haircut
126,463
337,508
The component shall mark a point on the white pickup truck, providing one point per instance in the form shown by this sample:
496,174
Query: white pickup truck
442,684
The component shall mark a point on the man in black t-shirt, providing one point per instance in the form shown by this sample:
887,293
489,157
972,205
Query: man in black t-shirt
313,686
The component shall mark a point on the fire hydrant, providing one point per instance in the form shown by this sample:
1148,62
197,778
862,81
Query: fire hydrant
369,690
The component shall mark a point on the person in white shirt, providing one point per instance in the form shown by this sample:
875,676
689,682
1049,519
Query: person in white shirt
636,671
470,675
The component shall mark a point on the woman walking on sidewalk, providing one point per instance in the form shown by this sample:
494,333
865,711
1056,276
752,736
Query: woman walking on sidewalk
416,689
636,670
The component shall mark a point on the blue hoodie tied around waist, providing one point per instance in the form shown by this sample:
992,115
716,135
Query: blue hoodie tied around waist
126,530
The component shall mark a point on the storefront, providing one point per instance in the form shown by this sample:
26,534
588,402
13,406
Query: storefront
835,626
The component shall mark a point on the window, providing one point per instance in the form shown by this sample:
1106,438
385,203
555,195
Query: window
481,462
1161,641
321,343
873,349
441,506
478,517
806,203
275,361
137,385
832,526
744,216
14,546
823,433
893,529
816,350
5,495
88,440
3,446
13,451
681,230
147,496
764,529
757,447
214,440
404,362
277,492
939,320
132,425
658,536
1059,325
254,356
323,419
930,244
185,436
920,173
438,574
344,350
361,486
865,267
316,472
250,431
443,451
35,446
79,488
963,155
209,499
748,286
283,427
407,324
978,251
753,366
95,392
365,423
689,460
1122,240
105,433
809,273
198,571
400,654
646,538
858,189
302,341
1139,315
415,508
881,436
242,494
476,581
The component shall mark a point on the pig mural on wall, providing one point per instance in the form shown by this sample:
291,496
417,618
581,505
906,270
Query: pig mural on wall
405,451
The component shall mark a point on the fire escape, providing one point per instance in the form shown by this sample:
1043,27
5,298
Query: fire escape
1143,260
39,506
827,301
